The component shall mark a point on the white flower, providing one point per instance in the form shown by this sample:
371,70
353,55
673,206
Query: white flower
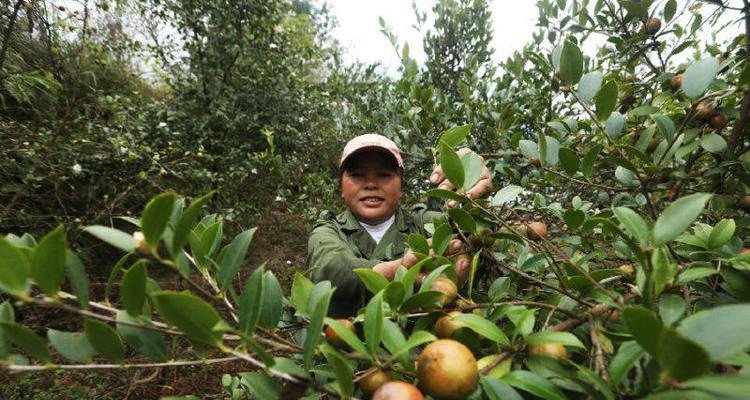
77,168
162,124
123,150
254,171
288,262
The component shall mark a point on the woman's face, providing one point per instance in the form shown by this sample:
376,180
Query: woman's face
371,187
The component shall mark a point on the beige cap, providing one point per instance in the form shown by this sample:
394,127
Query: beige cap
371,141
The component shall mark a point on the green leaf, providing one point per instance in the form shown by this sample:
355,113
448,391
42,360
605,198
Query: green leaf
14,269
441,239
634,224
77,278
506,194
342,369
695,273
420,300
73,346
664,269
319,301
614,124
589,86
722,232
645,327
446,195
680,357
606,100
115,237
455,135
678,217
27,340
189,314
713,143
722,386
6,315
234,258
156,216
463,219
104,340
698,76
374,282
722,331
550,149
348,336
571,63
133,288
472,165
528,148
418,244
563,338
574,218
187,220
587,166
259,386
669,10
671,308
48,261
301,288
394,294
251,301
483,327
534,384
273,302
451,165
666,126
569,160
627,357
374,323
145,341
497,390
417,338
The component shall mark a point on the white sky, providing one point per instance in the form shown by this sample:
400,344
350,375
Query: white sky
358,30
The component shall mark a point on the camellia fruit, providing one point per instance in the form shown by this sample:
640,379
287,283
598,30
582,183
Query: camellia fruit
652,26
373,379
397,390
536,230
744,202
447,370
676,82
535,162
704,110
447,287
142,247
333,338
553,350
718,121
445,325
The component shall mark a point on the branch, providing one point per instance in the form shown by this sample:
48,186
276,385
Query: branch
78,367
597,311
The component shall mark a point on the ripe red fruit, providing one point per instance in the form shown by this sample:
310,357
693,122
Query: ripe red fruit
333,338
536,230
718,121
447,370
397,390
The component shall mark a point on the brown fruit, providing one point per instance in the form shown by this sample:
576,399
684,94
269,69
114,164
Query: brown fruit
333,338
652,26
704,110
445,326
718,121
676,82
536,230
447,370
629,78
626,269
447,287
535,162
397,390
652,145
615,316
744,202
372,379
554,350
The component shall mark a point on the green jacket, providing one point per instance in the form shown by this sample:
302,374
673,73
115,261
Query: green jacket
338,244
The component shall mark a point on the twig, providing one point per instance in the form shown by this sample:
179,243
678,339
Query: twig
73,367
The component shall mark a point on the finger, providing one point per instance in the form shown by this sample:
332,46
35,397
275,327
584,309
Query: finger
437,175
409,259
447,185
454,247
462,267
452,204
482,187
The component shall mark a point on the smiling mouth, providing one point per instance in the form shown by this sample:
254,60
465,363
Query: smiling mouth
372,200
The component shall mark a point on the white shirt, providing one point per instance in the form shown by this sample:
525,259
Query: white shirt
378,231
